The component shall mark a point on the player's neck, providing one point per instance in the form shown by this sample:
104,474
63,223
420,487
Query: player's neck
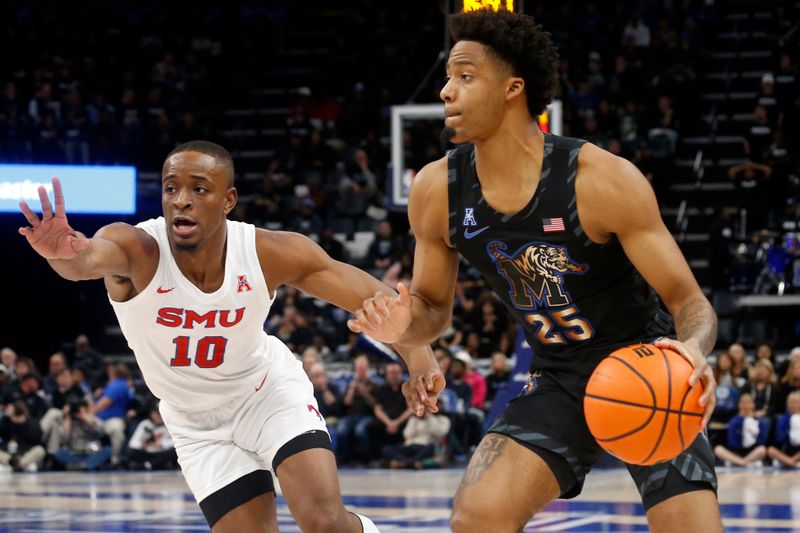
204,266
510,159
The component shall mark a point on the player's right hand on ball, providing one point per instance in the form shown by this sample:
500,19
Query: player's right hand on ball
383,317
52,237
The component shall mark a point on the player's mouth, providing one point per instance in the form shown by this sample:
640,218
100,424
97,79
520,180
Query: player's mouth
448,116
183,226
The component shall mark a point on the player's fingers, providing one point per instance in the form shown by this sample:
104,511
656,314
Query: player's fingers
365,319
371,312
419,385
354,326
29,215
411,400
382,307
26,231
404,295
47,209
58,195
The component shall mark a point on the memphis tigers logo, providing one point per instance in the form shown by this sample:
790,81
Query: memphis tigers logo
535,275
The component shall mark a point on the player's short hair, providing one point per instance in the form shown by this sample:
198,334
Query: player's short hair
518,41
216,151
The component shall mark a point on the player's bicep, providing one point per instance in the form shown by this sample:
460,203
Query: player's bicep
118,249
650,246
435,263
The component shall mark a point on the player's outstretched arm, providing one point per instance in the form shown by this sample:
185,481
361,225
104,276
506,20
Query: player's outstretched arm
293,259
71,254
425,312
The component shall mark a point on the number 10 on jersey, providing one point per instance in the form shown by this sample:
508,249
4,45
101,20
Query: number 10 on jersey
210,352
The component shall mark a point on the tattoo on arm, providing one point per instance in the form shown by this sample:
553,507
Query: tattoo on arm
697,320
488,452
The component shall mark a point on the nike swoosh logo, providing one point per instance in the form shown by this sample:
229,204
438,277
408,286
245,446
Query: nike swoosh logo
164,291
262,382
470,234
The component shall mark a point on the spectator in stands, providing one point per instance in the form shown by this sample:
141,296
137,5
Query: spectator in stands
636,31
765,350
57,363
356,189
747,435
4,384
727,389
67,392
384,250
331,246
741,368
329,399
422,436
306,219
758,135
497,379
358,401
21,435
390,411
466,422
790,381
31,395
663,134
769,100
81,445
445,358
89,360
794,356
787,434
111,407
475,381
151,446
8,357
763,389
310,358
25,365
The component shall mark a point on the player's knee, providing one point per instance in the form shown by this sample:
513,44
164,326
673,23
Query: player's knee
477,518
323,518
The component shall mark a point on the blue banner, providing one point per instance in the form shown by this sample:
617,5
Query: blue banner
87,189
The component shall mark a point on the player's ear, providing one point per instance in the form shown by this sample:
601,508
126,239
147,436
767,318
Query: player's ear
231,197
515,87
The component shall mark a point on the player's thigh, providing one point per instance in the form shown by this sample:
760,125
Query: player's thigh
258,515
504,484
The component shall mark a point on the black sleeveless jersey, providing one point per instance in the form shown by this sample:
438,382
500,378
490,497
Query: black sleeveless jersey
577,300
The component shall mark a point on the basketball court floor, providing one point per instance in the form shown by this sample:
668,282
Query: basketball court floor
752,500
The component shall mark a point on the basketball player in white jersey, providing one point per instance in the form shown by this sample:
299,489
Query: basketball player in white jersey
192,291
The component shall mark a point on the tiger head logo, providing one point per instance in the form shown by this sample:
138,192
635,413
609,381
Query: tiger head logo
535,273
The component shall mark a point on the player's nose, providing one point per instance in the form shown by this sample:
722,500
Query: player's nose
182,200
446,94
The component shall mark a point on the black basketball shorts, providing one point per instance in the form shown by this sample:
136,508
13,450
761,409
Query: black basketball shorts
549,421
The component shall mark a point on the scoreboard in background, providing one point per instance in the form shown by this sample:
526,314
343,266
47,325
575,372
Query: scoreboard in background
472,5
90,190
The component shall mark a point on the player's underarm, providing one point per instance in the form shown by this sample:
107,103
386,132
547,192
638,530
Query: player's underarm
696,320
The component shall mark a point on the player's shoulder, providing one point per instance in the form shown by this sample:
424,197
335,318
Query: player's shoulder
430,183
123,233
600,172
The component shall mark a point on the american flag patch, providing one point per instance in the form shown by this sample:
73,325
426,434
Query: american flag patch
553,224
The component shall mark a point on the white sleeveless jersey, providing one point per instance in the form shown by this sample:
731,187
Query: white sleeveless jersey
197,350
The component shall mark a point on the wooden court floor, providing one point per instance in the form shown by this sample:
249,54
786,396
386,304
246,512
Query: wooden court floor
751,500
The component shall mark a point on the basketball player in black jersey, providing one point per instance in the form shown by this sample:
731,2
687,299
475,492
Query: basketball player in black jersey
570,238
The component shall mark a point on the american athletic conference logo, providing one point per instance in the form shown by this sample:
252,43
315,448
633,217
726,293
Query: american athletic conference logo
535,275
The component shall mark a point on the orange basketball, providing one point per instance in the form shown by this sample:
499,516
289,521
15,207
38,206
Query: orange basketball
639,406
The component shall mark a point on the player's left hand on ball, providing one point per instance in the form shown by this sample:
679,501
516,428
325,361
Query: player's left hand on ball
702,371
422,391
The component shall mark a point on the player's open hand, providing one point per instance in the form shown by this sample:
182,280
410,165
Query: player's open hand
702,371
383,317
52,237
422,391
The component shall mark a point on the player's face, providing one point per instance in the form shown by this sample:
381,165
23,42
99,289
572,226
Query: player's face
474,96
195,198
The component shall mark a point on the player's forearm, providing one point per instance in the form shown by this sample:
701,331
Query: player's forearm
418,359
696,321
76,269
428,322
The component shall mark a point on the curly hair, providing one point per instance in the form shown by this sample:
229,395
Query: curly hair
518,41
